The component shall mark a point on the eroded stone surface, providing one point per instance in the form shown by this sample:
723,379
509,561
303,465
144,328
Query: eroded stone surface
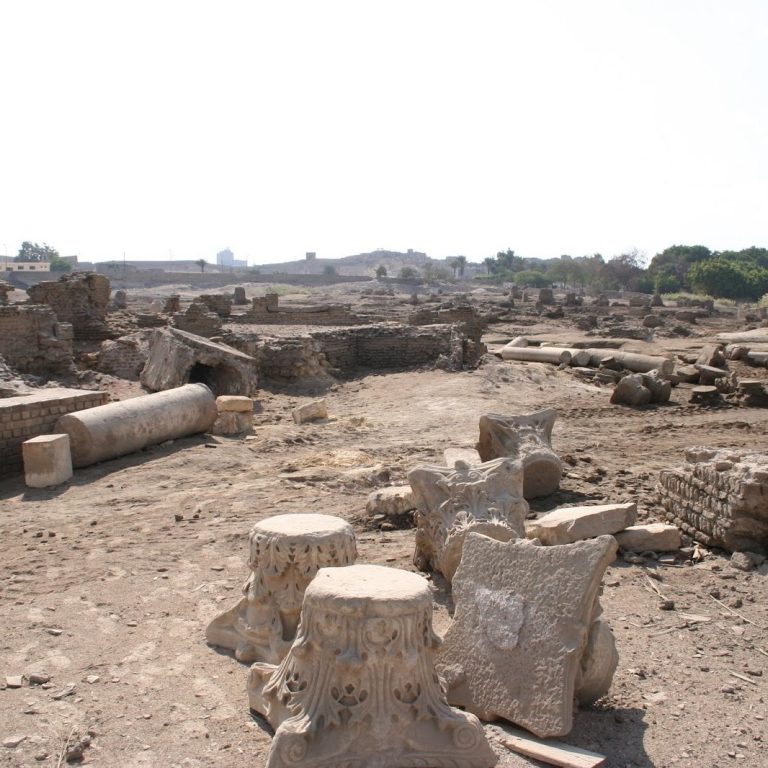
358,686
286,553
47,460
569,524
718,497
313,411
392,501
521,628
451,501
528,439
651,537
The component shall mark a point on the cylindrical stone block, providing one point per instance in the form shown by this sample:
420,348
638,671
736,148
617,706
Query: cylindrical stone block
115,429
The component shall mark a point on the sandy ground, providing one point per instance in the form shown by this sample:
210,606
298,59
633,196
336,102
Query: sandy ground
108,581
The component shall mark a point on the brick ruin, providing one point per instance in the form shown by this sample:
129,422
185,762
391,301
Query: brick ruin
33,340
198,319
81,299
265,310
718,497
36,414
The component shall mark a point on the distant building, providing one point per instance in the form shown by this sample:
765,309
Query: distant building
226,258
26,266
310,256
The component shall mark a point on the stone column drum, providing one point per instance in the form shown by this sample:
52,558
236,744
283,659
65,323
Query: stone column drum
286,553
359,687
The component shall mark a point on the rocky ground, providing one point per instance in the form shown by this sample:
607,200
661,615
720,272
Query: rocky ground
108,581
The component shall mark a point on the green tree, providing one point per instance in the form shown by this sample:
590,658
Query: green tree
36,252
506,261
675,262
491,265
381,271
202,264
729,278
461,263
408,273
329,270
532,279
59,265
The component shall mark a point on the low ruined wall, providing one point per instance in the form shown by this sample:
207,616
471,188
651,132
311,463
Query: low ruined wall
126,356
33,341
27,416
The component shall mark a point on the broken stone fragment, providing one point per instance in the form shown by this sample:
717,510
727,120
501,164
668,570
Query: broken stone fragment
568,524
310,412
521,628
393,501
651,537
527,439
451,501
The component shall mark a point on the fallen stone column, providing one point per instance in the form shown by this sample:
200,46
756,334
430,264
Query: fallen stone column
115,429
632,361
555,355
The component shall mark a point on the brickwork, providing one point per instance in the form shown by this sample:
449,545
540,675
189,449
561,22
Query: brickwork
32,340
265,310
28,416
217,302
126,356
718,497
198,319
81,299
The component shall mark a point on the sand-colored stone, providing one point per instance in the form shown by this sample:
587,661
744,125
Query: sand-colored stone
651,537
235,415
528,439
568,524
521,628
358,686
310,412
393,501
47,460
466,455
235,403
286,553
487,498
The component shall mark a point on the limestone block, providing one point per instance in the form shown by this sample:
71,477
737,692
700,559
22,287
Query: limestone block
232,423
528,439
47,460
521,627
569,524
234,403
451,501
358,686
652,537
393,501
466,455
598,662
310,412
631,391
286,553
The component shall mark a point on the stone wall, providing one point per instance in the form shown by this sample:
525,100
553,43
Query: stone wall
33,341
124,357
27,416
265,310
199,320
81,299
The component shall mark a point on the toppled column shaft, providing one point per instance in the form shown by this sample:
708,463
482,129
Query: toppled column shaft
115,429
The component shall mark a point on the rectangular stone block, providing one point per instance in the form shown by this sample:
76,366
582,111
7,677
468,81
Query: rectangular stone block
47,460
234,403
569,524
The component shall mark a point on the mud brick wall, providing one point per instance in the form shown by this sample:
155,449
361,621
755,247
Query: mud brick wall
81,299
33,341
719,498
27,416
198,319
126,356
264,310
218,303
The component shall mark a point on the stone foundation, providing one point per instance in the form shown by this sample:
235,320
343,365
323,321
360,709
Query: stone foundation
32,339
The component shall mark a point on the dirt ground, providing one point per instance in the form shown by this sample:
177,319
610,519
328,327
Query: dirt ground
108,581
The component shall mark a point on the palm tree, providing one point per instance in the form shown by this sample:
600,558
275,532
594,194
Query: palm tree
461,263
201,263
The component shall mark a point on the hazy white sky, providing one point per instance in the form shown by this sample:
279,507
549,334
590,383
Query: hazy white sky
274,128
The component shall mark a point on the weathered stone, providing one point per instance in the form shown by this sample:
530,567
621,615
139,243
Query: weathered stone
546,296
718,497
712,355
653,321
569,524
115,429
47,460
657,301
358,687
651,537
239,296
232,423
452,501
688,374
521,628
527,439
119,299
630,390
178,358
236,403
310,412
708,374
393,501
199,320
286,553
466,455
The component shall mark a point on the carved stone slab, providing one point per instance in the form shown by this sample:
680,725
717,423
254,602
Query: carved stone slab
286,553
358,688
520,630
527,439
486,498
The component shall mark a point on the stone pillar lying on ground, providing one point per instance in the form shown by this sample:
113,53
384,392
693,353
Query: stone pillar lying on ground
632,361
115,429
358,687
528,439
555,355
519,645
487,498
286,553
47,460
719,498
